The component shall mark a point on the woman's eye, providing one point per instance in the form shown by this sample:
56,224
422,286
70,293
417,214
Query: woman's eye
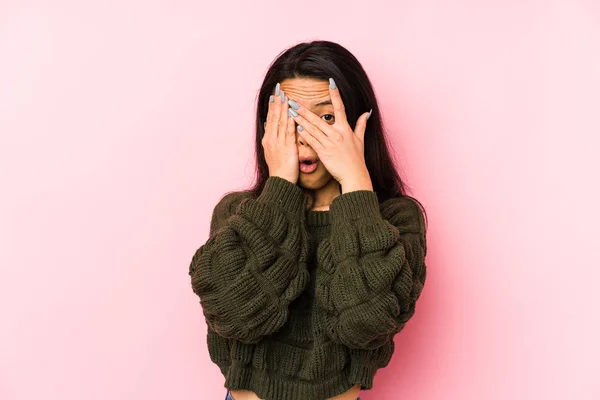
329,118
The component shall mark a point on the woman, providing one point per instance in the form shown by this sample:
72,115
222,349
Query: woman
307,276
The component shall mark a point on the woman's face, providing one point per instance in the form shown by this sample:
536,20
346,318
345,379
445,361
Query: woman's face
314,95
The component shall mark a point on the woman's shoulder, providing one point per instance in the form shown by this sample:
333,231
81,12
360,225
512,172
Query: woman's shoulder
402,203
404,210
226,207
230,200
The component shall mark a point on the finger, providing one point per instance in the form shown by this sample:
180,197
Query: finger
267,123
311,117
314,130
274,114
315,138
290,133
283,117
361,125
310,140
338,105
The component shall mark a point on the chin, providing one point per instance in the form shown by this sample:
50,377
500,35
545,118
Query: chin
313,181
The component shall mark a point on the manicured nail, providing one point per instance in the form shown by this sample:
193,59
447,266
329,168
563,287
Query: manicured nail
370,112
300,128
271,99
282,97
293,112
332,84
294,105
277,89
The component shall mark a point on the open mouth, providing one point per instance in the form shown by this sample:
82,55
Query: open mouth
308,166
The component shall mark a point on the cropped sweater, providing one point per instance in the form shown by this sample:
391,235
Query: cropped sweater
302,304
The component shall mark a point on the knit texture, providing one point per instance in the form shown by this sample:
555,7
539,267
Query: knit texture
302,305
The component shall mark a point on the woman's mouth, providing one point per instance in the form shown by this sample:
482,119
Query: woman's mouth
308,167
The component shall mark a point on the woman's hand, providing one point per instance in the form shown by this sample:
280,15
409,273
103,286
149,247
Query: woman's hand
279,141
339,147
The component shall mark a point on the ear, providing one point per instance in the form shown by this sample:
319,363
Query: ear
361,125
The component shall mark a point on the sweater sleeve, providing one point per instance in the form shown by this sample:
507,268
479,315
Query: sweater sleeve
377,269
254,261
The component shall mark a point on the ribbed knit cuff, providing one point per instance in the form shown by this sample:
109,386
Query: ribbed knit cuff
355,205
284,194
362,374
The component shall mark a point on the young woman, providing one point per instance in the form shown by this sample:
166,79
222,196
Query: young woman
307,276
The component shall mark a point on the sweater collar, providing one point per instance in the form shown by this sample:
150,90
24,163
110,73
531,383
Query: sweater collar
318,218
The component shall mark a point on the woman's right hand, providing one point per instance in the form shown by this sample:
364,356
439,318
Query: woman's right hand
279,141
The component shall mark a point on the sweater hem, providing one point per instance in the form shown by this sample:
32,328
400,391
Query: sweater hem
272,386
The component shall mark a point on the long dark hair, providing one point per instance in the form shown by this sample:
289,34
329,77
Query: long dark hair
322,60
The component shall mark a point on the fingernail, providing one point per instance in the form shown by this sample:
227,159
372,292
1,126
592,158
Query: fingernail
370,112
282,97
293,112
277,89
332,84
271,99
300,128
294,105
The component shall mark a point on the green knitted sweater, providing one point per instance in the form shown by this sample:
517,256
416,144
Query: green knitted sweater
301,304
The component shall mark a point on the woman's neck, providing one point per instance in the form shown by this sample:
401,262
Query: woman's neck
323,197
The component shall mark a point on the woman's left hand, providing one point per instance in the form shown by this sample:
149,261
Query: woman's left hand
339,147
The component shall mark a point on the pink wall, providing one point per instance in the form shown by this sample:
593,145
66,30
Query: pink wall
123,122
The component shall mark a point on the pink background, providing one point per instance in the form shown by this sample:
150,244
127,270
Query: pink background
123,122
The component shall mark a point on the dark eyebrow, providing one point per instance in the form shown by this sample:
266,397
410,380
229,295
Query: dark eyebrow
323,103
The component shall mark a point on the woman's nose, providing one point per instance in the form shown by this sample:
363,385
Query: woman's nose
299,139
